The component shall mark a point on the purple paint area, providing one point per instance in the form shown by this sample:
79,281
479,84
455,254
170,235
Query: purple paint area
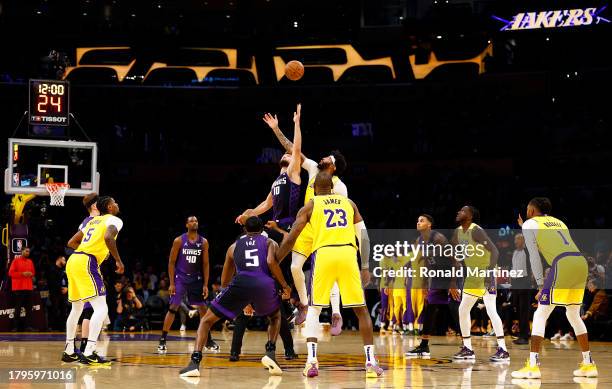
60,337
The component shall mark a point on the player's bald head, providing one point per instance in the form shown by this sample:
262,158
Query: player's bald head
323,182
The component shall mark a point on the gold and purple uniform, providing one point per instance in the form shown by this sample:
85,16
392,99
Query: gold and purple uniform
83,267
480,260
334,252
566,280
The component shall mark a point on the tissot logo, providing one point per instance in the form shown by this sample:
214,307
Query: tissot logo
554,19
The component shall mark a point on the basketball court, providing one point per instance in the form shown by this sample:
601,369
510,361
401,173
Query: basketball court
138,365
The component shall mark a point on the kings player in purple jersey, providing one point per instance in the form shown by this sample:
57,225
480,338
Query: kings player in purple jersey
188,273
284,195
253,258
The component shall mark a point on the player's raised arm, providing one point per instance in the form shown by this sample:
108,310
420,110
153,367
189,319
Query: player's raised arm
176,246
111,243
302,218
262,208
272,122
205,267
275,269
228,267
296,151
480,236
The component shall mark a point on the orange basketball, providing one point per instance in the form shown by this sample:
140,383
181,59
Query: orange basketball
294,70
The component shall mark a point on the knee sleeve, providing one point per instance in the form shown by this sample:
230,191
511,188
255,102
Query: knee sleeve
572,312
311,330
539,319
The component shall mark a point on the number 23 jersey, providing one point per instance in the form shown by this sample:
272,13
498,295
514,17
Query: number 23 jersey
332,222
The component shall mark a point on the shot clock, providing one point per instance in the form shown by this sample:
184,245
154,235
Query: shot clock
49,102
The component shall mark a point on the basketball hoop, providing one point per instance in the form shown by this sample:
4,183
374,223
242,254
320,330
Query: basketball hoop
57,193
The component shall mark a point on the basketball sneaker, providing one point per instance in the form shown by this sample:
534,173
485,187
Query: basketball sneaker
234,357
300,317
193,369
500,356
183,328
464,354
212,346
567,336
94,359
269,360
161,348
311,369
374,371
527,372
69,358
419,352
291,355
556,336
336,324
588,370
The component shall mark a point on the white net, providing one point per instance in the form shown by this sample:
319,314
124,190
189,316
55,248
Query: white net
57,193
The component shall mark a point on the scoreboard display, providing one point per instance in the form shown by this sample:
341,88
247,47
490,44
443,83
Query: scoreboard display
49,102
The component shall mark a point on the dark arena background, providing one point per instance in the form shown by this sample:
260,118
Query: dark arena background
435,104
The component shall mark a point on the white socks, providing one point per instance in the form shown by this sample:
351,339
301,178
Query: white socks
369,354
586,357
534,359
312,352
334,298
467,342
501,342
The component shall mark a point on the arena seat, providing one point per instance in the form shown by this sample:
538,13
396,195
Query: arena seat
93,76
171,77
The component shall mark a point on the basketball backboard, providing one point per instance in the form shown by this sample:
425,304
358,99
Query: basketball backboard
32,163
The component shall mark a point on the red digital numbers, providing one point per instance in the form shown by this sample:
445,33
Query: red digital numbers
44,101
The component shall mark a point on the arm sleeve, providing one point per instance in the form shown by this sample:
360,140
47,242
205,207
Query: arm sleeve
340,188
529,232
114,221
311,167
364,244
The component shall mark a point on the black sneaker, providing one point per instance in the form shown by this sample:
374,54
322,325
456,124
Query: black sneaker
419,352
212,346
520,341
193,369
464,354
269,360
161,348
69,358
500,356
94,359
290,355
234,357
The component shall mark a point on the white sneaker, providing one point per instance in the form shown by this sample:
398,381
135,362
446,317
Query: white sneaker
183,327
192,313
567,336
557,336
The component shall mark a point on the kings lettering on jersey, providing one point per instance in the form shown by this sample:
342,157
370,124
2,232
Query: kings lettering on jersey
189,260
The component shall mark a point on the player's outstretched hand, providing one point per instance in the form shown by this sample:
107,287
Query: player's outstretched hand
365,277
271,121
205,292
297,114
520,220
120,267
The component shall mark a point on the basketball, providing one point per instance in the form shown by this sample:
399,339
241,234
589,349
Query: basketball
294,70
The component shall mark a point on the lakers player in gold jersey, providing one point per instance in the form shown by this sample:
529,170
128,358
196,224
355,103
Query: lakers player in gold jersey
469,236
92,244
333,219
564,285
